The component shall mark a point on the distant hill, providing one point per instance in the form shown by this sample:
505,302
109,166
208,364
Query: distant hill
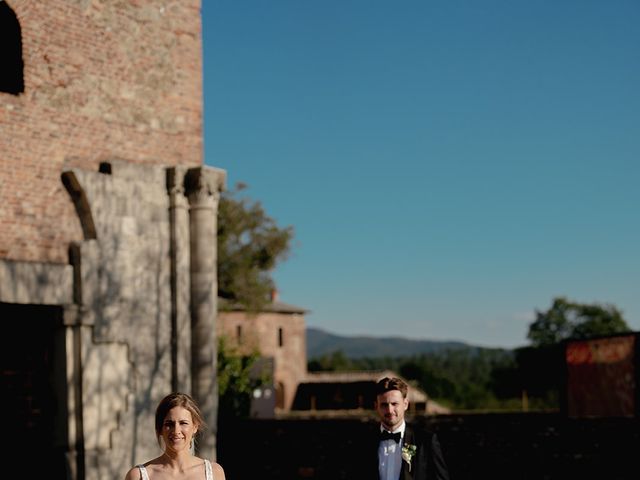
320,343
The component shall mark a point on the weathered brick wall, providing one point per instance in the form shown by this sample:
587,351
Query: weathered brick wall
103,80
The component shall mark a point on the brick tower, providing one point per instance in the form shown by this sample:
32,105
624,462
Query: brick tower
108,224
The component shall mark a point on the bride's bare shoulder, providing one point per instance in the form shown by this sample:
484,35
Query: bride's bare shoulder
133,474
218,471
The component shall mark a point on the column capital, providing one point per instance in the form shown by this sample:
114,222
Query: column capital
175,179
204,180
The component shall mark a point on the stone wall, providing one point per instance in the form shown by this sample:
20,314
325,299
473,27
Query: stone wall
102,80
123,317
130,327
501,446
108,217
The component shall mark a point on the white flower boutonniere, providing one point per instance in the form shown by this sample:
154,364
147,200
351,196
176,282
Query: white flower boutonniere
408,451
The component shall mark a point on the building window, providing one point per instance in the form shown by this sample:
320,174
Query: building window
280,337
280,395
11,64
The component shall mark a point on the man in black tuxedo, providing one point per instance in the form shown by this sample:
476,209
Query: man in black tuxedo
404,453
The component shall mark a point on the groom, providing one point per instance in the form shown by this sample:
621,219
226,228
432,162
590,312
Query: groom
404,453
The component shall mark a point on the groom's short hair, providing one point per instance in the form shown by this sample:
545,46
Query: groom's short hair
388,384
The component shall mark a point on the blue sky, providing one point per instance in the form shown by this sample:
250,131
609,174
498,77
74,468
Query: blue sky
449,167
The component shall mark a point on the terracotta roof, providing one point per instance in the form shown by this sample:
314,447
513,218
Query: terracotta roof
277,307
415,395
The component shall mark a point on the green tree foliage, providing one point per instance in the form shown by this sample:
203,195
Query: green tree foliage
461,378
334,362
250,245
565,319
540,373
480,378
237,379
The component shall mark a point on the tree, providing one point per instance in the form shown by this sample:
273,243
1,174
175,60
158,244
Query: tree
459,378
250,244
566,319
336,361
237,379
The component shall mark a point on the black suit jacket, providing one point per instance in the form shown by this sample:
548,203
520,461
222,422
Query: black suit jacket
428,462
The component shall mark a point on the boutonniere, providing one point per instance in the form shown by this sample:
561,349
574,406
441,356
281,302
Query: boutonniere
408,451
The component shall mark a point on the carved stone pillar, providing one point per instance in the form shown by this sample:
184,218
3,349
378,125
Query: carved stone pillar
202,187
180,281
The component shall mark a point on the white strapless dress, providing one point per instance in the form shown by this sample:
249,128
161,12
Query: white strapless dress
207,469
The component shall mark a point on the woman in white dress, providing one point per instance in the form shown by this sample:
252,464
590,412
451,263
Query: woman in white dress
178,420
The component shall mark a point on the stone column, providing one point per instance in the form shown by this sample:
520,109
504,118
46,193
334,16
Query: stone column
202,187
180,281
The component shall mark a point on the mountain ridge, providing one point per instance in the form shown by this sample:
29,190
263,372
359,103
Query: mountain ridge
320,342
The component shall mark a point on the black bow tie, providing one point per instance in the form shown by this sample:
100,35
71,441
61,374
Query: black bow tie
384,435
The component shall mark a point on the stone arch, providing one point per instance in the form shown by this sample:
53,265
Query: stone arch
79,198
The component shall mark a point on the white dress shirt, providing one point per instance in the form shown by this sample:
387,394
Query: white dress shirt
390,456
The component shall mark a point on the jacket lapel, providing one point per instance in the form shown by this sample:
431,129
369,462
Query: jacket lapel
405,472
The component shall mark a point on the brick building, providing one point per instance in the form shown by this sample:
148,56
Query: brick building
328,393
278,333
108,224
